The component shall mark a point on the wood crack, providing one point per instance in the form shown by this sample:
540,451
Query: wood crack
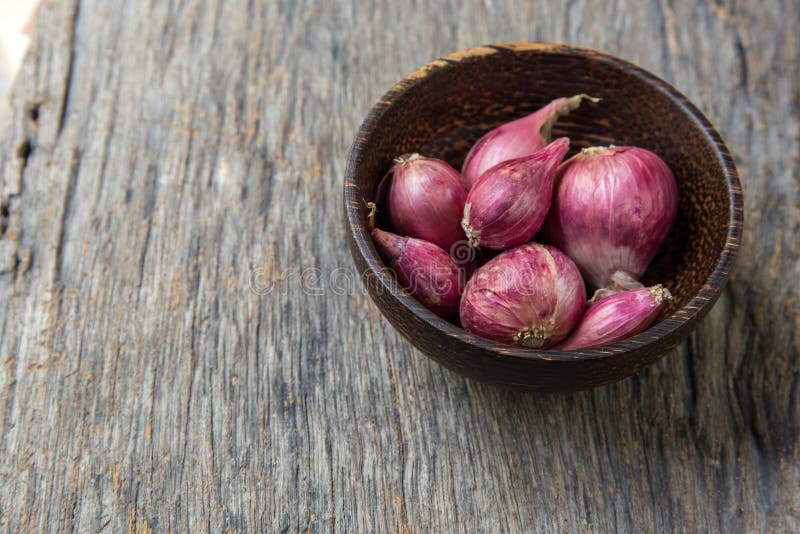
72,178
149,211
24,151
73,30
666,29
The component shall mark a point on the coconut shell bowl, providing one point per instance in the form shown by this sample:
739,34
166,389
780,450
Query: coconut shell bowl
441,109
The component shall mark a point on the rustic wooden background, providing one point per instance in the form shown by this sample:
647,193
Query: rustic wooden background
169,167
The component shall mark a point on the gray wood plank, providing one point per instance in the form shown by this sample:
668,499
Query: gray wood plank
163,163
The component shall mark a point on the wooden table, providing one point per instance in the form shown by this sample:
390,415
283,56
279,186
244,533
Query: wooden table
171,168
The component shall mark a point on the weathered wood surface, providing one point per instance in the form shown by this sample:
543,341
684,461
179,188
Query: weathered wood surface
164,162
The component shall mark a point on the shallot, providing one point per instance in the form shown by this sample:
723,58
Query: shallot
617,317
509,203
426,200
516,139
612,209
424,270
531,295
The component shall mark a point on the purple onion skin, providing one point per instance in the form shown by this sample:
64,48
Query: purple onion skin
424,270
531,295
516,139
509,203
617,317
426,199
612,209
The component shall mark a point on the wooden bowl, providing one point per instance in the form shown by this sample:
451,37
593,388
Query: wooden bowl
441,109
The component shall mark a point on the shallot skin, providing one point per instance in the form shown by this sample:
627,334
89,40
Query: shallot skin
509,203
617,317
426,200
612,208
531,295
516,139
424,270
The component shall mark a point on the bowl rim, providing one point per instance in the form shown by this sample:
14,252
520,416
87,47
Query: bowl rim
696,308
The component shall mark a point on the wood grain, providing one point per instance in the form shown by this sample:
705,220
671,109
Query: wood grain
164,162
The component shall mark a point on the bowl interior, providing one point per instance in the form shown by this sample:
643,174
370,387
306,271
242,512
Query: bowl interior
440,111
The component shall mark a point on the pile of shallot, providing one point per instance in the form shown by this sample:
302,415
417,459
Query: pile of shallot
596,219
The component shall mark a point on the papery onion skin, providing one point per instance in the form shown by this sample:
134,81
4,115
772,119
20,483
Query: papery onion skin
509,203
424,270
612,209
617,317
531,295
516,139
426,200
